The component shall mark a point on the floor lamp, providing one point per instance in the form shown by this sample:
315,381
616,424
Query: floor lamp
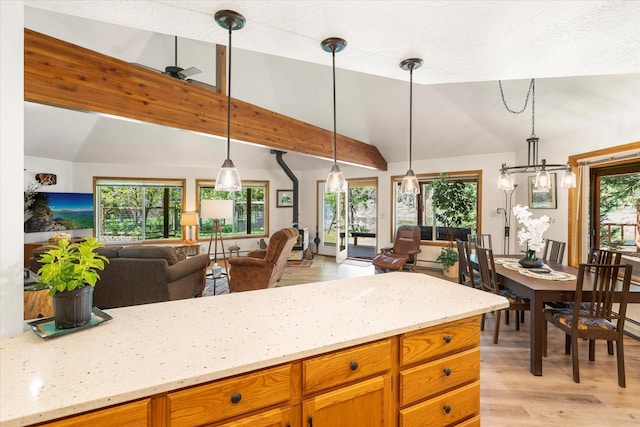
216,210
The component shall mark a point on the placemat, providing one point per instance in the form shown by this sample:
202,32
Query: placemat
512,264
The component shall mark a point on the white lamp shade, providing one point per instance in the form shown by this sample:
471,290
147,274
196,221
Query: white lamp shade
189,218
216,209
410,184
505,182
568,179
543,180
335,181
228,178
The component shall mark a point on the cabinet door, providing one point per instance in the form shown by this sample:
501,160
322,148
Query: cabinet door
134,414
367,403
281,417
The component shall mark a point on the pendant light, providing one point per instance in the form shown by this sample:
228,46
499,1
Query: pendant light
335,180
228,178
543,178
410,183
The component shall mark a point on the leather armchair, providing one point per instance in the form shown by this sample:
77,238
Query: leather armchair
263,268
405,248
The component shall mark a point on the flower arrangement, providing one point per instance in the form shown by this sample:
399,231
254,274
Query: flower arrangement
531,233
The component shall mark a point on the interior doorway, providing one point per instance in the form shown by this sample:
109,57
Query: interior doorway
362,240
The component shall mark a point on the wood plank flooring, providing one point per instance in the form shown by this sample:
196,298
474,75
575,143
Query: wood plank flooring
510,395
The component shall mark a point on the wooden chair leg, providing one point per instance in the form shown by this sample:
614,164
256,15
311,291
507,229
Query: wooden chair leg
497,331
574,359
592,350
620,354
610,348
522,316
567,344
517,313
506,317
544,338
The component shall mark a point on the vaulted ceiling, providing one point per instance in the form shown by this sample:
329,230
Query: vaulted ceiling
585,56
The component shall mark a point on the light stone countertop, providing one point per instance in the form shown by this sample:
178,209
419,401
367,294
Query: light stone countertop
154,348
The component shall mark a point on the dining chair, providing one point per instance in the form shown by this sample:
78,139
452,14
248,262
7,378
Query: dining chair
479,240
593,318
553,251
466,274
489,280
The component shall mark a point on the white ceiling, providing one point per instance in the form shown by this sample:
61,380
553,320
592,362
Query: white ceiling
585,56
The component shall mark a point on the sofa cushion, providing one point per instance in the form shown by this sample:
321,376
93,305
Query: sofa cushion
108,251
142,251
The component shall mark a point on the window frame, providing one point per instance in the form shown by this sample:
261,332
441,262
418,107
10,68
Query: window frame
104,180
432,176
210,183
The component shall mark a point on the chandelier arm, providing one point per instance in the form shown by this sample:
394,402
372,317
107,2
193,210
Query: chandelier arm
535,168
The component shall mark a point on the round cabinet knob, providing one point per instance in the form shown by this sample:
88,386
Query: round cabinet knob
447,372
353,365
447,339
236,397
447,409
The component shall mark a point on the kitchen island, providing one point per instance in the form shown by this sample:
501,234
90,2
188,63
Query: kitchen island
148,352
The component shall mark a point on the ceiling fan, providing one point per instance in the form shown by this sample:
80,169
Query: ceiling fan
179,72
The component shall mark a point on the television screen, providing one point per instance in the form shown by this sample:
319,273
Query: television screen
58,212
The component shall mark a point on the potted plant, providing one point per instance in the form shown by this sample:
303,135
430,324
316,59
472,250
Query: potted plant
70,270
452,206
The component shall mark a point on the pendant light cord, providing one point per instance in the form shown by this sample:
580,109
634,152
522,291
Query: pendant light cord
229,97
335,143
410,111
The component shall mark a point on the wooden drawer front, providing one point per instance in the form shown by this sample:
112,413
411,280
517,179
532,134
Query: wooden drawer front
213,402
134,414
471,422
444,410
281,417
337,368
440,375
431,343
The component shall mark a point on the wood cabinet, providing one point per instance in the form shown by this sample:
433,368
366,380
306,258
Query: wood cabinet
429,377
132,414
440,375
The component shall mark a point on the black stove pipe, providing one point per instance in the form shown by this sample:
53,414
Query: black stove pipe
293,178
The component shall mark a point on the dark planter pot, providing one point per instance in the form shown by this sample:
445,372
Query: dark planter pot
73,308
531,262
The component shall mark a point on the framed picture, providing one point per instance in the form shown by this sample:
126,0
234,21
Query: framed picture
284,198
540,198
59,211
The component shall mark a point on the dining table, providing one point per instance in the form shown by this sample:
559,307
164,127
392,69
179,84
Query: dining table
558,286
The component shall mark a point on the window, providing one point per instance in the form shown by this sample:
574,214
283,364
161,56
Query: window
138,209
249,209
431,214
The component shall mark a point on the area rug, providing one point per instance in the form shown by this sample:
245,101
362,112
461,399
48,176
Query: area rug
304,263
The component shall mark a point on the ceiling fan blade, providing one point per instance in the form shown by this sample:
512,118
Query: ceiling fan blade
191,71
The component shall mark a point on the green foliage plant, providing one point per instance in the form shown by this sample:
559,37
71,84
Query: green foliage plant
67,266
447,257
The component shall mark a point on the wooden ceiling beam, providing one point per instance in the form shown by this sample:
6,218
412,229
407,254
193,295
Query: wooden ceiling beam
64,75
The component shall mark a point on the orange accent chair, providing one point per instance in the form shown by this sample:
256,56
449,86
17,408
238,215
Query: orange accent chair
262,269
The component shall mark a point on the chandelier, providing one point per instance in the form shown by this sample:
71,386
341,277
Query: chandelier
542,169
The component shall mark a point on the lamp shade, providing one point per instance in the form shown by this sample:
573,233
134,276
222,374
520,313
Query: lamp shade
189,218
216,209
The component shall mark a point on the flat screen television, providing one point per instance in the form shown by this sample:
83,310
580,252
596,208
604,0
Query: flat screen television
58,212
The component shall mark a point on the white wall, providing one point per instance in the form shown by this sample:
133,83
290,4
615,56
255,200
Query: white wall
11,162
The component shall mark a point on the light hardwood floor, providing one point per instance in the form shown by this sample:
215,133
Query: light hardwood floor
510,395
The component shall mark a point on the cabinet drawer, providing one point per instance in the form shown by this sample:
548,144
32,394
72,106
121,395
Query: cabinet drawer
444,410
330,370
134,414
431,343
471,422
227,398
440,375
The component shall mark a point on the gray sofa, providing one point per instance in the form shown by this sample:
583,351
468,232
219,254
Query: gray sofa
143,274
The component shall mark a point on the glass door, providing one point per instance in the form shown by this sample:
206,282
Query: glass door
333,222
